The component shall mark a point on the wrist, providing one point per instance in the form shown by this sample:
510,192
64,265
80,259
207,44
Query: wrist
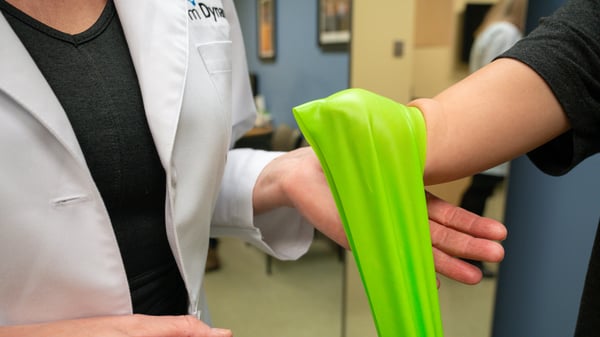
270,189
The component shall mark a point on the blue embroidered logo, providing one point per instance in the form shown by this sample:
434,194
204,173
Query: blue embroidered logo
201,11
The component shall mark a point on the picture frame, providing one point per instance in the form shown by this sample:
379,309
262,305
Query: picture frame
266,29
334,22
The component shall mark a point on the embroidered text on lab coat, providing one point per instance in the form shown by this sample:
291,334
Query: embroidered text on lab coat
205,11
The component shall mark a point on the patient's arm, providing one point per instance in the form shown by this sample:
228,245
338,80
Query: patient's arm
498,113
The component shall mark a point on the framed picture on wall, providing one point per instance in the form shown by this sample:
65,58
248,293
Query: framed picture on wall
266,29
334,22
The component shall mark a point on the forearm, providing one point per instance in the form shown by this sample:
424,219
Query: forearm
496,114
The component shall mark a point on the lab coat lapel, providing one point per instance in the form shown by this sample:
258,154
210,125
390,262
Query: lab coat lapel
156,32
22,80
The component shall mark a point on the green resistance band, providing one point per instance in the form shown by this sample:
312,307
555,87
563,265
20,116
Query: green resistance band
372,151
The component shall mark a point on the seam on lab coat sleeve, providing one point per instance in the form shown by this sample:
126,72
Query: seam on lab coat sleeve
282,233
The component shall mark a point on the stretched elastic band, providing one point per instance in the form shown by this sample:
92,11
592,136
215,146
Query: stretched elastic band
372,150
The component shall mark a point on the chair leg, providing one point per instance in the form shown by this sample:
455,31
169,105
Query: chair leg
344,309
340,251
269,264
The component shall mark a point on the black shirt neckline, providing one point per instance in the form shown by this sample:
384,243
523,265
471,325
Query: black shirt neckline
89,34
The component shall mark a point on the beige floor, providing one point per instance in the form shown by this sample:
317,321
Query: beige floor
304,298
299,298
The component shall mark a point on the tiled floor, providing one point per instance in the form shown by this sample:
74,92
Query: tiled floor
298,299
304,298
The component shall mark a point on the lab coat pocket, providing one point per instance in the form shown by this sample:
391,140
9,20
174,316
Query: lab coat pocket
216,57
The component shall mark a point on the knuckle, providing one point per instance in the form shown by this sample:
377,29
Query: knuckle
189,324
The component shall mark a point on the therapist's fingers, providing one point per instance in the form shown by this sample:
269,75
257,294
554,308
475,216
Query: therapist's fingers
174,326
457,233
162,326
462,220
460,233
455,269
463,245
449,244
119,326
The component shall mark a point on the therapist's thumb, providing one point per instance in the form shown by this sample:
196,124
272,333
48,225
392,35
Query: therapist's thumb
214,332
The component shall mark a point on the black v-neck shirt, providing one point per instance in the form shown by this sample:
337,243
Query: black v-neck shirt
94,79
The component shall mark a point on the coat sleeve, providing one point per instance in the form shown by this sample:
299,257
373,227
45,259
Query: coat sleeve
282,233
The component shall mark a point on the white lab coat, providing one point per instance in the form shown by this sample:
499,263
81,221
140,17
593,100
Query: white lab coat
59,256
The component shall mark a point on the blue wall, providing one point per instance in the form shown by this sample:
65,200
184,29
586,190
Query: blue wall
551,223
538,9
302,71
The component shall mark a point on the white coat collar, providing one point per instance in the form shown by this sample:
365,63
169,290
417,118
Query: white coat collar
156,32
22,80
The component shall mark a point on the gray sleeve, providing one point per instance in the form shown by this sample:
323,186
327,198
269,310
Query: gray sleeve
565,51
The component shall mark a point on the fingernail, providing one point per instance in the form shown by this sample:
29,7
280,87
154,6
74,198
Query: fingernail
220,332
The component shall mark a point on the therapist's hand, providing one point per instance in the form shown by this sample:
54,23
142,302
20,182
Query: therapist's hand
119,326
296,179
457,233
